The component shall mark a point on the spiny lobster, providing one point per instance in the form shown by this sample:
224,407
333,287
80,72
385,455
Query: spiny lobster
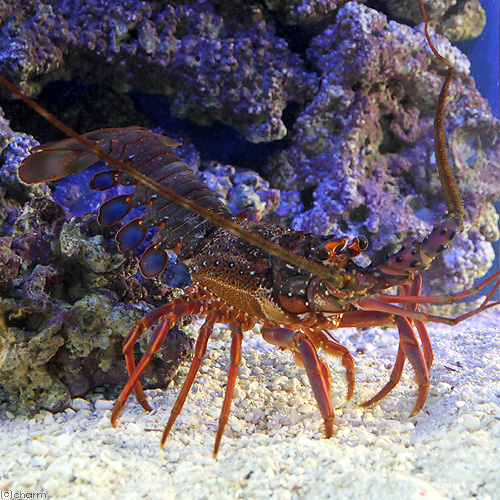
242,274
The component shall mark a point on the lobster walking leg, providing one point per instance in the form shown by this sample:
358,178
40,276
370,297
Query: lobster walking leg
130,340
411,349
200,349
383,303
397,371
414,291
317,371
186,307
237,337
327,344
426,342
408,348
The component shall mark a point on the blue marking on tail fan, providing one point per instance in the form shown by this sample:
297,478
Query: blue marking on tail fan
114,210
153,261
131,235
104,180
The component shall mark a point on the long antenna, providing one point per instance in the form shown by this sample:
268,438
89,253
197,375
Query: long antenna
454,203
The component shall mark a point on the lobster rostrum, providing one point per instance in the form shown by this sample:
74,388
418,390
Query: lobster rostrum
242,275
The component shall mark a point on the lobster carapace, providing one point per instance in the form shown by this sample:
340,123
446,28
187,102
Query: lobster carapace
297,286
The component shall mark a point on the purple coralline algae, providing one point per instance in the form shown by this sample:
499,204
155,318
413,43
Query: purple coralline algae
303,12
363,145
455,20
67,300
227,66
356,111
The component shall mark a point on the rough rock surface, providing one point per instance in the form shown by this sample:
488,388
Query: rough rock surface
68,297
456,20
228,66
364,146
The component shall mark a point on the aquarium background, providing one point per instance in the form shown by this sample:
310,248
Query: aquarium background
483,53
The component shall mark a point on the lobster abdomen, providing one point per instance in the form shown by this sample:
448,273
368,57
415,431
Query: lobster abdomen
152,155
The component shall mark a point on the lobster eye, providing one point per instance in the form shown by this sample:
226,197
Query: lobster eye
362,243
322,254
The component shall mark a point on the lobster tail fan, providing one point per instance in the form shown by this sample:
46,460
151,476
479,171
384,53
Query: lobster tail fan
150,154
55,160
50,164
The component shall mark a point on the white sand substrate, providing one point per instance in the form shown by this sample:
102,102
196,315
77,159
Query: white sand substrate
273,446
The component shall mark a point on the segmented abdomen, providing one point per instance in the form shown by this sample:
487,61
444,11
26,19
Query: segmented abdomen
152,155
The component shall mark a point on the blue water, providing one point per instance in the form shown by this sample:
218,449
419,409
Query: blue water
483,53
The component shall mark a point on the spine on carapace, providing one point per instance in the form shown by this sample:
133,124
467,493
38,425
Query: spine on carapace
152,155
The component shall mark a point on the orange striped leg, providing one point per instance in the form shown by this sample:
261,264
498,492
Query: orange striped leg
319,376
200,349
130,340
397,370
237,337
426,343
187,307
414,291
394,379
411,349
321,340
408,346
